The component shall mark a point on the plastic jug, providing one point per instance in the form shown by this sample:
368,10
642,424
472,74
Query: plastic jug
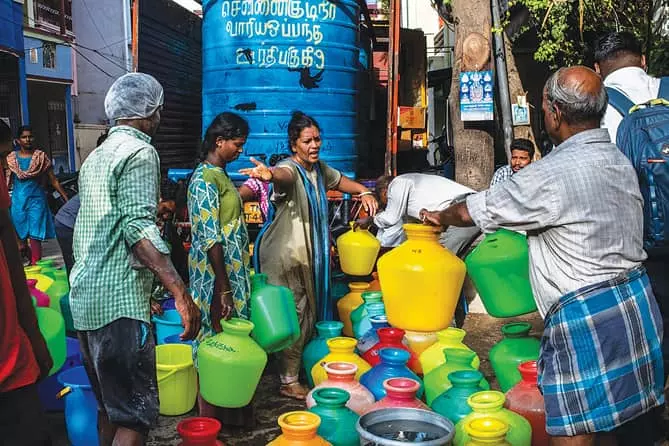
391,338
437,382
371,338
41,298
49,387
199,431
419,341
451,337
230,365
52,327
452,404
274,315
421,281
526,400
177,379
350,302
35,273
359,315
499,268
341,350
358,250
318,347
393,365
373,306
66,312
337,421
341,375
81,407
299,429
400,392
487,432
516,347
490,404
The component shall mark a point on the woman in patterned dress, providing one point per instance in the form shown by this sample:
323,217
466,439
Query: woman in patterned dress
219,262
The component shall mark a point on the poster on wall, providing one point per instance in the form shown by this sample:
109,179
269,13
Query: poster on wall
521,111
476,96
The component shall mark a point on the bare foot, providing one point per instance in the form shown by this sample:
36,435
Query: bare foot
294,390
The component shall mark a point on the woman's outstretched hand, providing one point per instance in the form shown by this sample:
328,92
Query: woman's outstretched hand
260,171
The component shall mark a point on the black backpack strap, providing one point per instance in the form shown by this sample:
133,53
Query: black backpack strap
619,101
664,88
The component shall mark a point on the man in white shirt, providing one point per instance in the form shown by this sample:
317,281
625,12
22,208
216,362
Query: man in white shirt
622,65
404,196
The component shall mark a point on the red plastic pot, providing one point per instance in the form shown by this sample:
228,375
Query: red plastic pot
391,338
199,431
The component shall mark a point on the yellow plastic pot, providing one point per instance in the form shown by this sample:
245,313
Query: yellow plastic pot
421,281
177,378
350,302
341,350
358,250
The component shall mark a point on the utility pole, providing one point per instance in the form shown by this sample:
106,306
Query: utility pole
502,78
393,87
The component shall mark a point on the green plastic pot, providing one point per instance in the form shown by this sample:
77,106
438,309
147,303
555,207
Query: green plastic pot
516,347
337,421
452,404
274,315
437,382
52,327
230,365
499,268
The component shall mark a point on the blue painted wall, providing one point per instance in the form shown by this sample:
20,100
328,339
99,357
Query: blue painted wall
11,25
63,69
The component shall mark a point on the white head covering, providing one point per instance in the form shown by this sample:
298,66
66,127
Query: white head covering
133,96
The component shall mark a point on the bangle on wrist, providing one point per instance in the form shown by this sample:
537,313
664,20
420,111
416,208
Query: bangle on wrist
362,194
227,292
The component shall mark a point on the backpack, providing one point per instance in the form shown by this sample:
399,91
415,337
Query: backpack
643,136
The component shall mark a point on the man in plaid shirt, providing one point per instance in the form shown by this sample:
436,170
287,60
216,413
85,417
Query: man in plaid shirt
117,250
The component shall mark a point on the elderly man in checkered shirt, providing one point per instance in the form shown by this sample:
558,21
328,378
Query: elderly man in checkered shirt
600,365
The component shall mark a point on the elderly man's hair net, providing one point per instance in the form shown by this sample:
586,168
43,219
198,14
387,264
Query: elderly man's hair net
133,96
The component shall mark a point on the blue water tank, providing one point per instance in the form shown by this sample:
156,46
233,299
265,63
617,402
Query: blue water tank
264,59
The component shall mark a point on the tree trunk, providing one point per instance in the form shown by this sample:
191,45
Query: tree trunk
474,145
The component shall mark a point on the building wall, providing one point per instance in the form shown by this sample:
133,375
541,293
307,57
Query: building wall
103,54
419,14
11,30
35,50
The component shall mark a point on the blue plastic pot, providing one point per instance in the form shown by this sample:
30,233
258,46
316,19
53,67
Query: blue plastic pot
176,339
393,365
167,324
81,407
49,388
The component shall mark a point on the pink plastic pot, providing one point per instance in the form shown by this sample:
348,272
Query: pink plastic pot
400,392
341,375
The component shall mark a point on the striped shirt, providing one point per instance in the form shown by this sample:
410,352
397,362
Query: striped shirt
119,189
582,210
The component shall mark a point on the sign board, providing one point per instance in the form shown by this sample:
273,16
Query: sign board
476,96
411,117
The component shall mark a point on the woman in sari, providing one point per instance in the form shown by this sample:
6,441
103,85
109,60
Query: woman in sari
29,171
294,250
219,262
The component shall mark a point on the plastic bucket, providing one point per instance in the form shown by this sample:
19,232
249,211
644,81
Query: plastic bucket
81,407
177,378
176,339
49,388
167,324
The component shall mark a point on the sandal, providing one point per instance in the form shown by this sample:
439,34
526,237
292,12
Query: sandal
294,390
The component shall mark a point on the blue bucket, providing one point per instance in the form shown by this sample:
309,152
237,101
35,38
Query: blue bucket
176,339
81,407
167,324
49,388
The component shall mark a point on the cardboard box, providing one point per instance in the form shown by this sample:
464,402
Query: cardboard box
412,117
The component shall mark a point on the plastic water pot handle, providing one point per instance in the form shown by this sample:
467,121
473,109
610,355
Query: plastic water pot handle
170,373
64,392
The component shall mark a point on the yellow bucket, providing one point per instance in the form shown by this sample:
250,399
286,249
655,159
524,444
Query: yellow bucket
177,378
